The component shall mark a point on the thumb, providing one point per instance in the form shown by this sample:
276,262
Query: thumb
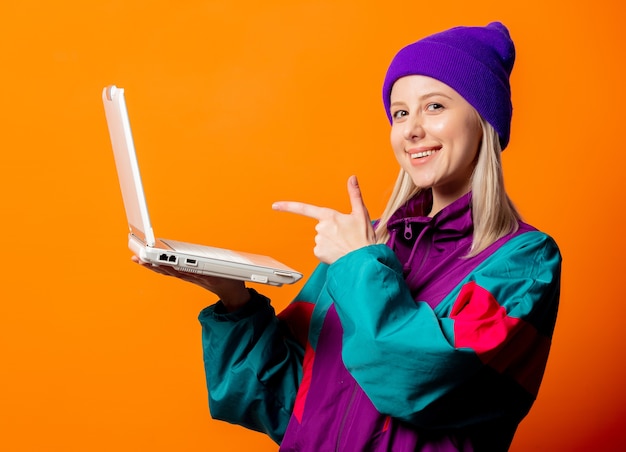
356,199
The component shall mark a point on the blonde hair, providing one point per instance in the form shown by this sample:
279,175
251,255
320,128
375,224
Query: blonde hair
493,212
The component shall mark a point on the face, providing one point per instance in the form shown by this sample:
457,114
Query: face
435,135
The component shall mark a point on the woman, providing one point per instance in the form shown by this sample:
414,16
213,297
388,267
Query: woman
429,330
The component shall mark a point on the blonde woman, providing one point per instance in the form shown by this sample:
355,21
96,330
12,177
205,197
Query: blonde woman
428,331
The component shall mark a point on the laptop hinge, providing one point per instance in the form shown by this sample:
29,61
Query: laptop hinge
135,232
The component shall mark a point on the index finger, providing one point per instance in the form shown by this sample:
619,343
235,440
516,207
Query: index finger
301,208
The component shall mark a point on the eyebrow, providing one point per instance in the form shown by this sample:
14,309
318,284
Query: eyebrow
434,94
424,97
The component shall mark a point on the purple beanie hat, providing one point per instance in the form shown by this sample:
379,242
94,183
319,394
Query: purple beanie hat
475,61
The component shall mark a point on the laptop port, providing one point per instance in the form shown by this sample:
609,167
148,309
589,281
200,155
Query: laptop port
168,258
192,262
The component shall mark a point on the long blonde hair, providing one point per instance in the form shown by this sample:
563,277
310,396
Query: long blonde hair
493,212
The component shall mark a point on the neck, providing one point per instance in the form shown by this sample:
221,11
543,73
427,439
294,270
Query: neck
440,202
443,198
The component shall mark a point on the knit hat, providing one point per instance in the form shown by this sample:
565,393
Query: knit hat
475,61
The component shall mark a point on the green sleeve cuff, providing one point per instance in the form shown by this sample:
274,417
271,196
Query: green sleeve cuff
217,312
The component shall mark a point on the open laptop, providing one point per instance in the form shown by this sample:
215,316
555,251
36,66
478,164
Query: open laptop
183,256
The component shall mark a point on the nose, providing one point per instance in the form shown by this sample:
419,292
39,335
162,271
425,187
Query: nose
413,128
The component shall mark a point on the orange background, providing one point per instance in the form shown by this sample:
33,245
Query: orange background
236,104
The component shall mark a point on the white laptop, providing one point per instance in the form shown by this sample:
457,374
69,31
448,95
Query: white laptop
183,256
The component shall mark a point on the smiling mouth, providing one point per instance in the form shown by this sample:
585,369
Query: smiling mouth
419,155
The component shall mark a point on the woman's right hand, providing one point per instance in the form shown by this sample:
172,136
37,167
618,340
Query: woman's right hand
232,293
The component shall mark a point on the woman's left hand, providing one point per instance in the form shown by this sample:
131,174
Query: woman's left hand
337,233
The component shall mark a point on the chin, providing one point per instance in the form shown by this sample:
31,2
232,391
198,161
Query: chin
422,182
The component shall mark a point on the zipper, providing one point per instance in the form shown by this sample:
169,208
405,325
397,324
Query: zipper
408,229
345,417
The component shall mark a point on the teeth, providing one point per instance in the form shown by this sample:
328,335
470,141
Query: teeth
422,154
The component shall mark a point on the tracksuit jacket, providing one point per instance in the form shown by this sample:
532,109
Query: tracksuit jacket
408,346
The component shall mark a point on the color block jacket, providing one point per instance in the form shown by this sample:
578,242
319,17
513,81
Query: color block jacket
409,346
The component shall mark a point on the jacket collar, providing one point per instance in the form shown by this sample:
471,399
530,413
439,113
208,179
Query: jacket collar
452,222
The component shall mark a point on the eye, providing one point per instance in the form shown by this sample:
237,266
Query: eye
434,107
396,115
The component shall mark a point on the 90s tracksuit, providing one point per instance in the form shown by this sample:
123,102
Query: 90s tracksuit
409,346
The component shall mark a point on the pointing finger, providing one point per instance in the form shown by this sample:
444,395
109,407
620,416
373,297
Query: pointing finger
300,208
